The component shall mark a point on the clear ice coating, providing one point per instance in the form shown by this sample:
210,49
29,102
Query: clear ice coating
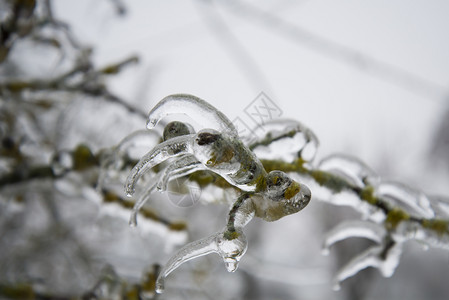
176,128
229,250
130,147
350,229
218,149
140,203
230,243
440,205
384,257
194,107
423,224
272,196
413,201
350,168
283,139
171,148
284,190
138,140
180,167
408,230
348,198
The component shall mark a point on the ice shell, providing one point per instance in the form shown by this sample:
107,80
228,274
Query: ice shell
350,229
413,201
352,169
383,257
408,230
283,139
171,148
194,107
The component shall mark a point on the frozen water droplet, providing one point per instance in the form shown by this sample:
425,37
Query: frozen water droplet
283,139
231,250
160,285
129,190
194,107
231,264
412,200
350,168
151,123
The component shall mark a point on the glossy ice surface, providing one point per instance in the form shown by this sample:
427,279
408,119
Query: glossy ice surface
218,149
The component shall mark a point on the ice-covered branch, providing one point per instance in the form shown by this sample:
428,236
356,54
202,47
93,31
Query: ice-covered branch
392,213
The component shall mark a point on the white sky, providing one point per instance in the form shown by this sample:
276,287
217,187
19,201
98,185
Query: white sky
227,54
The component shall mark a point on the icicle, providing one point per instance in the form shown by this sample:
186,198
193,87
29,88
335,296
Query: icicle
352,229
369,258
186,253
350,168
384,257
170,148
230,251
196,108
184,165
140,203
284,139
173,171
401,195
